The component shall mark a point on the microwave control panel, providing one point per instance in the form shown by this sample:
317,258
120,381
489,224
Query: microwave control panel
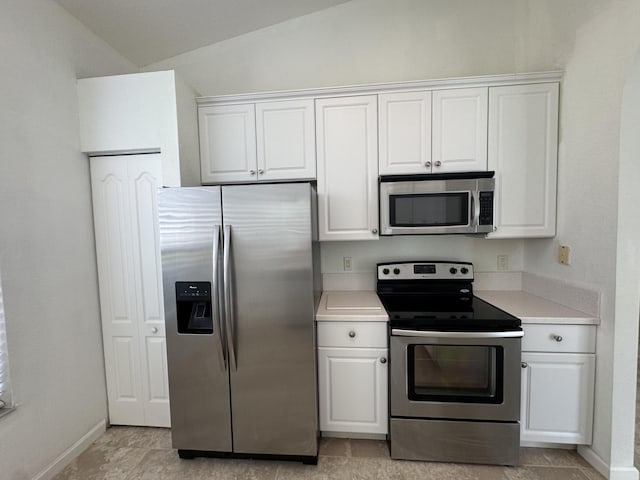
486,208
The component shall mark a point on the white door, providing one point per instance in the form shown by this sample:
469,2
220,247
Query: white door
557,397
460,130
347,147
227,143
286,140
404,122
353,390
125,219
523,151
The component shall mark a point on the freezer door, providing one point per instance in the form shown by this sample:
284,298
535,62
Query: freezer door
190,241
272,358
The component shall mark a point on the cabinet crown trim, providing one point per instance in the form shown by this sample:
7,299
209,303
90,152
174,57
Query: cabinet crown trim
374,88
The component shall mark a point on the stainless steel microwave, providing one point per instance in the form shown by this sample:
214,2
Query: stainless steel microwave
437,203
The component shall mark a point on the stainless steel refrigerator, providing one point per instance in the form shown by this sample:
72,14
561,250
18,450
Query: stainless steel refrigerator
240,291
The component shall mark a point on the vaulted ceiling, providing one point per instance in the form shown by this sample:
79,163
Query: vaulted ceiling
147,31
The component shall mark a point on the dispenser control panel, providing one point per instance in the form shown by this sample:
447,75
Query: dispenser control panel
193,290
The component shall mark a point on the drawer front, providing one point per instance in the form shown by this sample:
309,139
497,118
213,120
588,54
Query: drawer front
352,334
559,338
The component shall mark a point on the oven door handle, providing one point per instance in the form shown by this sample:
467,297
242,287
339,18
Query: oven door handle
421,333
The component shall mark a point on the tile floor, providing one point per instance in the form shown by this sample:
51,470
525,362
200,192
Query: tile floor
136,453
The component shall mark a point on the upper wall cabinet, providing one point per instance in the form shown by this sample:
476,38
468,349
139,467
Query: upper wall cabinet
267,141
347,168
523,151
433,132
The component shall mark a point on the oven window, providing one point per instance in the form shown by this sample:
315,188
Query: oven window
456,373
429,210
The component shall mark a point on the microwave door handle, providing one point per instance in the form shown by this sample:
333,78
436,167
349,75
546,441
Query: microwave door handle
475,208
216,306
437,334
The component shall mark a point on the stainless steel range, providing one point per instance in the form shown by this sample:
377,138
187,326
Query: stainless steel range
454,366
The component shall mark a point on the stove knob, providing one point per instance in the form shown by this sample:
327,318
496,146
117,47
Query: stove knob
464,270
453,270
385,271
396,271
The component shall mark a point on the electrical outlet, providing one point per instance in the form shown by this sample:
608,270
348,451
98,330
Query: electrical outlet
564,253
503,263
347,264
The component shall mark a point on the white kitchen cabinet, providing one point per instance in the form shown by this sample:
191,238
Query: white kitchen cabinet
265,141
404,123
557,384
460,130
433,132
523,151
130,282
347,140
352,378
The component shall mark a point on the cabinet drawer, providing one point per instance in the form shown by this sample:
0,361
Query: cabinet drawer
352,334
559,338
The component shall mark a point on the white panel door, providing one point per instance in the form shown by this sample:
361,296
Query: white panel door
353,390
227,143
460,130
557,397
523,151
347,141
286,140
125,219
404,125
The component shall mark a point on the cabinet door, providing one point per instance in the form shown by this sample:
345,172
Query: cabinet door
405,132
557,397
353,390
460,130
227,143
523,151
286,143
346,132
124,205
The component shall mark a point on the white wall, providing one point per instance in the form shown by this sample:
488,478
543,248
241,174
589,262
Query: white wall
369,41
47,254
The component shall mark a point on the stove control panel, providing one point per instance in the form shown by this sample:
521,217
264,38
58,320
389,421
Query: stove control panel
430,270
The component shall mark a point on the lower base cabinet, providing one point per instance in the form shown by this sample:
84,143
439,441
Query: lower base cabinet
558,379
353,379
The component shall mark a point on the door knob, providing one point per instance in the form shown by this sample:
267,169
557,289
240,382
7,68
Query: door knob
438,163
154,330
383,360
260,171
352,334
557,338
252,172
427,164
374,231
524,364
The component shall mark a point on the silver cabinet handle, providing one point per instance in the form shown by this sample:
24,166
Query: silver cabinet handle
438,163
383,360
228,297
524,364
352,334
154,330
398,332
374,231
260,171
427,164
557,338
252,172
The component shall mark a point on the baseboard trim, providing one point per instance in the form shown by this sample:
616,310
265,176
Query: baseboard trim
72,452
612,473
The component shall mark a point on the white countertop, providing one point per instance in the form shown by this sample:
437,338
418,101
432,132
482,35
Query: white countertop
356,305
533,309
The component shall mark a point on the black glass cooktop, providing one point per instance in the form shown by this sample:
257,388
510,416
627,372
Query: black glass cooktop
418,311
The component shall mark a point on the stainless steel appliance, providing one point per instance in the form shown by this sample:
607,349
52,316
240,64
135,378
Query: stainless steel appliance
454,366
437,203
239,296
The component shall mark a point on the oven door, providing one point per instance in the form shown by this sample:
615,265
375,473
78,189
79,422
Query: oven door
455,375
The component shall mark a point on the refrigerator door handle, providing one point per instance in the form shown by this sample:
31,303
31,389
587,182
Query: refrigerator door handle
216,305
228,298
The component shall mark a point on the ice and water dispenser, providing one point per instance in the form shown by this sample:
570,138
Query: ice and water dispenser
193,302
